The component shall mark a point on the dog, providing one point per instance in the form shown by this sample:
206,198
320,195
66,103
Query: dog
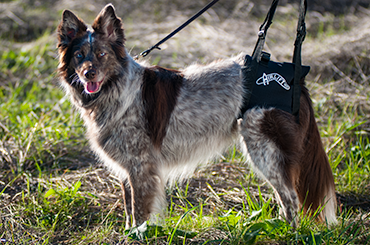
152,126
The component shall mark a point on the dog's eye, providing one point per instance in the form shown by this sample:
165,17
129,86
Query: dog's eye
101,54
78,55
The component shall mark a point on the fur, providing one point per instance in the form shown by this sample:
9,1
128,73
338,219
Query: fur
152,126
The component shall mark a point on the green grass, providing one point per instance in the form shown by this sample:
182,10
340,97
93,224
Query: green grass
53,192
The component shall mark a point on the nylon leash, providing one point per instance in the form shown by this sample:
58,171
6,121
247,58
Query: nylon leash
156,46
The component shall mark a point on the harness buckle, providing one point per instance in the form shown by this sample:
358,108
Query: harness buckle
301,34
261,34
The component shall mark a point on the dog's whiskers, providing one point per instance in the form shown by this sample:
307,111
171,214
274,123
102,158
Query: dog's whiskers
75,79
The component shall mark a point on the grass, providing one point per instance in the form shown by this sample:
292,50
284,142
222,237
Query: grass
52,191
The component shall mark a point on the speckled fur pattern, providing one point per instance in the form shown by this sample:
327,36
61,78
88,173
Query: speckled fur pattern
152,126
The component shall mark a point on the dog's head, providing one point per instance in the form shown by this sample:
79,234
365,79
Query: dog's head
89,58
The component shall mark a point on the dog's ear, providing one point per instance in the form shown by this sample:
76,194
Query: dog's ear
109,25
70,27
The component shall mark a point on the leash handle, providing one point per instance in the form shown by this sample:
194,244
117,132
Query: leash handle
156,46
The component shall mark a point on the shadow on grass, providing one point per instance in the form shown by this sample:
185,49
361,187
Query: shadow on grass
354,201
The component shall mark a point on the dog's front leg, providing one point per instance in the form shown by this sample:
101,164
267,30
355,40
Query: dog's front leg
144,186
126,195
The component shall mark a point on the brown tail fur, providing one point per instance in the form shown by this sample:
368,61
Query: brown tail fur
316,182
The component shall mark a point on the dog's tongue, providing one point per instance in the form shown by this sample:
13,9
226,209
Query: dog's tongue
92,87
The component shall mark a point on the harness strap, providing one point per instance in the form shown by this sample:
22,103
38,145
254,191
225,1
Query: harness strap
263,31
301,34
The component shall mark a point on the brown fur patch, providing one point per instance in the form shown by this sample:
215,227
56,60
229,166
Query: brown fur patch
160,90
281,128
316,177
305,162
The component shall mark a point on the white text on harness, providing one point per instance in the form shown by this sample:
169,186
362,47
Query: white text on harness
266,79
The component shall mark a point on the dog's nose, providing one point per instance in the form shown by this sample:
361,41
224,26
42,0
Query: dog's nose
90,74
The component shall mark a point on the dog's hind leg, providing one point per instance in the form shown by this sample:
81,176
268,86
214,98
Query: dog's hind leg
274,148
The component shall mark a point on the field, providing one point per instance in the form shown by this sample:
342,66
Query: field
52,189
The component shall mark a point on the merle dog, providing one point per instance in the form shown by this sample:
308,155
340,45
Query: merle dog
151,125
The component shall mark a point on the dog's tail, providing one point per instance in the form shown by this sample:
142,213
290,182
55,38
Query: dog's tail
316,189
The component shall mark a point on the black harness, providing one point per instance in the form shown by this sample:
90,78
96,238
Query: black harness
273,84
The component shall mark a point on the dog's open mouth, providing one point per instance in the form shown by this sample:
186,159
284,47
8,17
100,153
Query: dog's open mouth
92,87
